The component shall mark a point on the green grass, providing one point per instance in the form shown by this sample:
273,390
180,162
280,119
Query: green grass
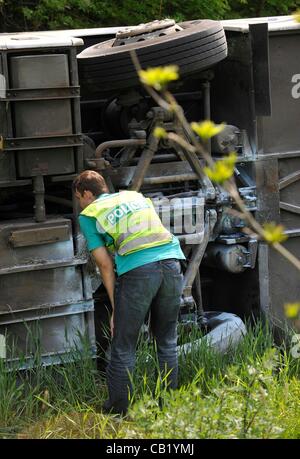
252,392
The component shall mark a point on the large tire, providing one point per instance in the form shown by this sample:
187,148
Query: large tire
225,332
104,68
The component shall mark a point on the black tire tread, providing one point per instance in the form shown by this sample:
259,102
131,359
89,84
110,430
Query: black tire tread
200,45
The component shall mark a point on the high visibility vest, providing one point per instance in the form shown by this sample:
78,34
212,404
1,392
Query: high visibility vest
130,219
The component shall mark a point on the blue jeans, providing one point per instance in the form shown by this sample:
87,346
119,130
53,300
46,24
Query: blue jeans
156,287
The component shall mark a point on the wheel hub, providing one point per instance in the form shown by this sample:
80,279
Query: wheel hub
146,31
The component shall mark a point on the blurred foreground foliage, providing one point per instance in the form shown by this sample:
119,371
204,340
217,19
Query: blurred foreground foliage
17,16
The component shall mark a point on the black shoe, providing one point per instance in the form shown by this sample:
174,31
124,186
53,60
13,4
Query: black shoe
108,408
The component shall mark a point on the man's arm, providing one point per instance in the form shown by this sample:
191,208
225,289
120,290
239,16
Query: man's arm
106,267
96,245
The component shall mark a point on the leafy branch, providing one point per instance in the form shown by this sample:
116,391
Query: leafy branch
155,81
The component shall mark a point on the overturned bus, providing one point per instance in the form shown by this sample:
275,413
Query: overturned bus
71,100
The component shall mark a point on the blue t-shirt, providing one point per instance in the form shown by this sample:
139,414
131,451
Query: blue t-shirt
133,260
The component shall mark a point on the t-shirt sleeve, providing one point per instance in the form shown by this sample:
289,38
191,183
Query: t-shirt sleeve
89,230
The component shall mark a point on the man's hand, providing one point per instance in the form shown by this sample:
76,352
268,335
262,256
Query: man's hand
112,325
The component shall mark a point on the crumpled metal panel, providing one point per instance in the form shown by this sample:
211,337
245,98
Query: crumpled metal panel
57,331
11,256
36,289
